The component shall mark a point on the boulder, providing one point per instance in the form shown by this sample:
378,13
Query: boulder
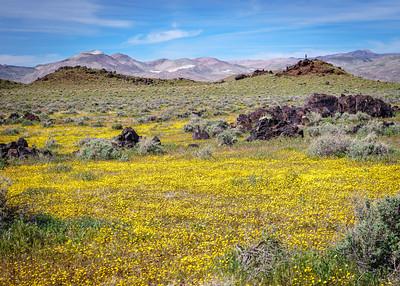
326,105
200,134
31,117
20,150
268,128
374,107
128,138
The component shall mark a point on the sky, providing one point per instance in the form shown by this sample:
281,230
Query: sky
41,31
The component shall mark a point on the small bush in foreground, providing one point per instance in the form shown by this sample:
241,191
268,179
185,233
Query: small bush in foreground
226,137
369,146
374,243
150,146
204,153
330,145
98,149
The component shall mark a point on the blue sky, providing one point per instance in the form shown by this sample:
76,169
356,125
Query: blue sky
39,31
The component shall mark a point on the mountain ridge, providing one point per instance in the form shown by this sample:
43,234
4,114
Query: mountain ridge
364,63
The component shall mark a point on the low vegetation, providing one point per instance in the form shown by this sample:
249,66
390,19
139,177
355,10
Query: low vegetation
196,211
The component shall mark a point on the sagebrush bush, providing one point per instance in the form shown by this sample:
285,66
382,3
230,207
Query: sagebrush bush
117,126
98,149
205,152
325,128
11,131
313,118
150,146
374,243
373,126
330,145
227,137
260,260
368,146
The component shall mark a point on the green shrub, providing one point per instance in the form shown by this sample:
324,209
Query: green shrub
117,126
368,146
150,146
330,145
26,122
51,143
11,131
60,168
86,176
313,118
227,137
98,149
260,260
205,153
373,126
325,128
374,243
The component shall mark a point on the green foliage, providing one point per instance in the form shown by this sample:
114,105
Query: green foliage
150,146
60,168
11,131
374,243
117,126
226,137
205,152
361,149
25,235
330,145
98,149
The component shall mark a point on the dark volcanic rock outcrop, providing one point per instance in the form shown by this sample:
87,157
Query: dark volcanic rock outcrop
20,149
268,128
327,105
318,67
128,138
265,124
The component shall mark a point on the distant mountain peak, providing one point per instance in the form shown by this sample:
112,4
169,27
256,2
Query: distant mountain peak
94,52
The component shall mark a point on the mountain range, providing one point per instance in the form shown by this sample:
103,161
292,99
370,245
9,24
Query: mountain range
363,63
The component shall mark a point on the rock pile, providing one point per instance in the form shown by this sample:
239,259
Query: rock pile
265,124
305,67
128,138
328,105
20,149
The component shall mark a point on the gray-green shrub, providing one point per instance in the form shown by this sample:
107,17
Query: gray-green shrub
369,146
227,137
150,146
330,145
98,149
374,243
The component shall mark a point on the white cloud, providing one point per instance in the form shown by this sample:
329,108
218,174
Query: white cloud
27,60
163,36
74,11
386,47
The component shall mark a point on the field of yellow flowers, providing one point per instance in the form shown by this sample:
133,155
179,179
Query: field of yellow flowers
171,219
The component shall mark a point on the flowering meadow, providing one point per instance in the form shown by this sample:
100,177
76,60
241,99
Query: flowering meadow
171,219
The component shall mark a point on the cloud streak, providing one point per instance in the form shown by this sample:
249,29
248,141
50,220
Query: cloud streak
73,11
163,36
27,60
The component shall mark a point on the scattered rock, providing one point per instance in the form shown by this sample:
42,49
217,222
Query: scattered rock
14,116
269,128
200,134
20,149
253,74
265,124
128,138
305,67
193,145
31,117
328,105
324,104
374,107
